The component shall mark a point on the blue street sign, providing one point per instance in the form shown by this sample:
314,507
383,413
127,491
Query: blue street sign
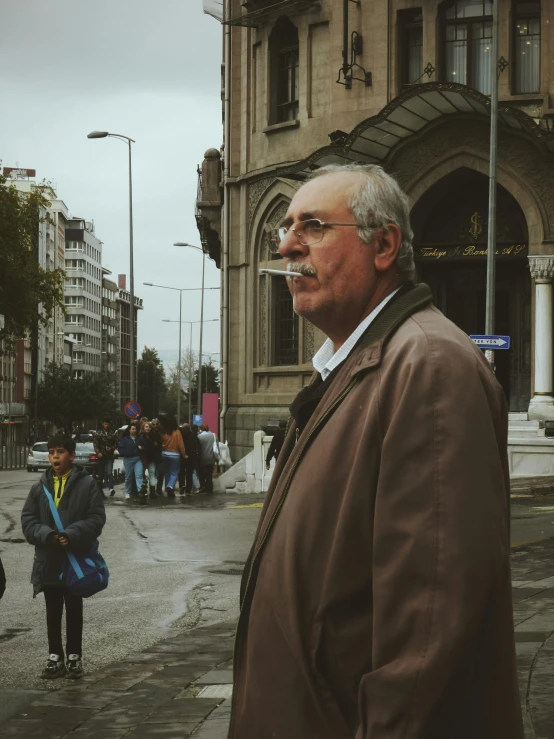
132,409
197,420
491,342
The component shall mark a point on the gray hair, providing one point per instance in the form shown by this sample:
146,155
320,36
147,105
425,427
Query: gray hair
377,202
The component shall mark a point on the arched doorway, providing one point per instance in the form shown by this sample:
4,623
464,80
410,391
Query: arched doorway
450,244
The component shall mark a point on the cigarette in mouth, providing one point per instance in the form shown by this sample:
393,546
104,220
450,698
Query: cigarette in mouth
280,272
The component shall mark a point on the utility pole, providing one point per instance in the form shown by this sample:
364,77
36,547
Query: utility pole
491,237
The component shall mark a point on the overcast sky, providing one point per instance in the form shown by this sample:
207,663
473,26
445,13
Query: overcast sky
150,71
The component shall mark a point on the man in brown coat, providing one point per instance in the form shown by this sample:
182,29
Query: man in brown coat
376,602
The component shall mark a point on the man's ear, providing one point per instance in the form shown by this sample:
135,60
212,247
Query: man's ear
387,246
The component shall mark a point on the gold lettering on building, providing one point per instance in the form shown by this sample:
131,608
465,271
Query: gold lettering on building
476,227
434,252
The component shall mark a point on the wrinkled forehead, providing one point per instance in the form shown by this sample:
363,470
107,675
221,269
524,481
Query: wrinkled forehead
324,197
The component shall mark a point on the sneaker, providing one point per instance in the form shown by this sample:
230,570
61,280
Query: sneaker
74,667
54,668
170,493
127,496
112,492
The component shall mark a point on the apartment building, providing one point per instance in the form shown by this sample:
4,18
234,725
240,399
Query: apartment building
83,295
123,331
21,369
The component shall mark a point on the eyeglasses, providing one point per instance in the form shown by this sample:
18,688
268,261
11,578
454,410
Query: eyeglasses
307,232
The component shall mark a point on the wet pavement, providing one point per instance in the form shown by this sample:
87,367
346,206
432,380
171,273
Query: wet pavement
159,642
182,685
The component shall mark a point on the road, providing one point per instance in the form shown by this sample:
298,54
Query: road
172,567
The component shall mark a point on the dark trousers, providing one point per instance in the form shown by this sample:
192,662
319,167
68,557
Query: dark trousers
185,475
55,599
206,482
105,472
159,475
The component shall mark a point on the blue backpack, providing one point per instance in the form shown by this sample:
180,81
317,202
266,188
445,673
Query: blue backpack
83,575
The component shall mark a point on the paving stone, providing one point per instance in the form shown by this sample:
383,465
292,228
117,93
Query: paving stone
215,677
120,683
32,728
213,730
531,636
77,699
186,709
216,691
93,732
162,731
55,716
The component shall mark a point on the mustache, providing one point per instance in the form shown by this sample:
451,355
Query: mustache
302,267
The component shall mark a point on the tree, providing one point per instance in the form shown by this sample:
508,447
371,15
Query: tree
24,284
64,400
189,385
151,382
210,381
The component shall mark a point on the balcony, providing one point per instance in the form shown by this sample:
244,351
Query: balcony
208,205
258,12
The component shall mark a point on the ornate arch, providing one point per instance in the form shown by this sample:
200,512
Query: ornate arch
268,207
450,146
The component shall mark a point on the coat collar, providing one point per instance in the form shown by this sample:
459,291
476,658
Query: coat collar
370,349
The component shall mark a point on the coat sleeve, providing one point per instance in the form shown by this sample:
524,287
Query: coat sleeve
81,534
181,445
440,535
2,580
34,530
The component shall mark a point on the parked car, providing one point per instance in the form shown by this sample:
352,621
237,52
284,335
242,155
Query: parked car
85,456
38,457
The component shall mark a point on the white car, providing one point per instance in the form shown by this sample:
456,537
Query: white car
38,457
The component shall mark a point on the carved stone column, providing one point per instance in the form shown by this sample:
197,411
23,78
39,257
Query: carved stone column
542,402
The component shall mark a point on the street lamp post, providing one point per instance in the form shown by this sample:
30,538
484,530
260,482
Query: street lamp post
198,248
180,291
167,320
133,364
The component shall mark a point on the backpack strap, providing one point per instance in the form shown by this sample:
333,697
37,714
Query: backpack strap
53,509
59,525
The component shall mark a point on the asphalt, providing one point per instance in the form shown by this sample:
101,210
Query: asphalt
182,685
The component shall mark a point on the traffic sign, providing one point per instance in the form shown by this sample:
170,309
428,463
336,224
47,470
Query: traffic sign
491,342
132,409
197,420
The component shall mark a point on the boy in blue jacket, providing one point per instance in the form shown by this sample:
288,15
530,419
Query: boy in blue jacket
81,509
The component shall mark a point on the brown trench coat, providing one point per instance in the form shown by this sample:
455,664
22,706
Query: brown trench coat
378,600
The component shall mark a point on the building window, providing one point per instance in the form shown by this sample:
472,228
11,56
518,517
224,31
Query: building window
527,46
410,45
285,325
467,43
283,52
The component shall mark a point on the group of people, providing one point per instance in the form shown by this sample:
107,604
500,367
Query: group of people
155,452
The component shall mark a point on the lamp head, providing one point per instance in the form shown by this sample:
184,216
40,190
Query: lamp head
97,135
150,284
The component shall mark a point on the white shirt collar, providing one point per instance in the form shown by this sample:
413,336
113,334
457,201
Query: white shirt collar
327,358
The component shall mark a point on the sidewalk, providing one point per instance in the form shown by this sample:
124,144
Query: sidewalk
182,685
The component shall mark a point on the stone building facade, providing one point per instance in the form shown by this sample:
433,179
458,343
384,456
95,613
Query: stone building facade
405,84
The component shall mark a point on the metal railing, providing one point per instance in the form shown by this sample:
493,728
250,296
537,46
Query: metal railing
13,457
